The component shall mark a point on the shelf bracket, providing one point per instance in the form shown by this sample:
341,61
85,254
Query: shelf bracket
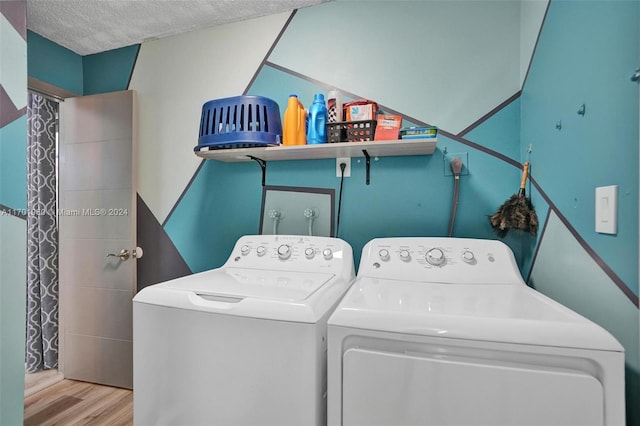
262,164
368,166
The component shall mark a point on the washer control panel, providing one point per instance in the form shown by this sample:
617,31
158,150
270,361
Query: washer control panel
291,252
454,260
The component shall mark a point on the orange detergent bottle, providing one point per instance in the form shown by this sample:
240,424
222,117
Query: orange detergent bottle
294,131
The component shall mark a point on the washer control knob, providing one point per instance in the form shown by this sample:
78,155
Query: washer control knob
405,256
468,257
309,253
435,257
327,254
245,249
261,251
284,252
384,254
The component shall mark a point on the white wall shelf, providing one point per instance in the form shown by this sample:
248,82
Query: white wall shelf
327,150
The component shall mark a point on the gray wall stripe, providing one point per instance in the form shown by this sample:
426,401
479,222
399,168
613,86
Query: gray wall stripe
490,114
8,211
457,138
8,111
535,47
133,67
607,270
16,13
535,254
161,261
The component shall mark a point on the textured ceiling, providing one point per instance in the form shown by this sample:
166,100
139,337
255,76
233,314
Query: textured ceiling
93,26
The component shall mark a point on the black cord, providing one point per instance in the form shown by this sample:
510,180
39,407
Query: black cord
342,167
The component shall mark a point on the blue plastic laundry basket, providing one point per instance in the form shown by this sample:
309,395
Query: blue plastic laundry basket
239,122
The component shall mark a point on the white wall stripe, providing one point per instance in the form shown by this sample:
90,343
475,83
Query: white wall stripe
174,77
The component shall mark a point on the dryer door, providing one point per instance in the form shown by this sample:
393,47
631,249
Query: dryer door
384,388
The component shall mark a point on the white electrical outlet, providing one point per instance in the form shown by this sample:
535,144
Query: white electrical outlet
347,170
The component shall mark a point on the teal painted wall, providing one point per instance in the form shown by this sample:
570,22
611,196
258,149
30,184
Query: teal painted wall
544,100
407,195
585,288
227,196
13,136
595,150
574,64
586,53
13,253
561,176
83,75
502,134
13,164
108,71
416,53
54,64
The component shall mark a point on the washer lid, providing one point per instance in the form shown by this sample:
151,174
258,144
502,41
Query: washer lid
254,283
257,293
509,314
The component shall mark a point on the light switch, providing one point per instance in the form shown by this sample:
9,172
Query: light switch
607,209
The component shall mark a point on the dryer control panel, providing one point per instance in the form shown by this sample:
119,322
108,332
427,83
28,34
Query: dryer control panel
292,252
445,260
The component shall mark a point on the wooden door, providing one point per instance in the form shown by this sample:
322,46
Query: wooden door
97,218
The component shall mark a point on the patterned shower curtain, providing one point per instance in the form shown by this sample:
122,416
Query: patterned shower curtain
42,236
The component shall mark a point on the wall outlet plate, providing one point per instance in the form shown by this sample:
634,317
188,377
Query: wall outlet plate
607,209
464,156
347,170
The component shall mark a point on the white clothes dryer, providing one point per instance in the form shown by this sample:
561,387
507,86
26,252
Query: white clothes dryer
443,331
243,344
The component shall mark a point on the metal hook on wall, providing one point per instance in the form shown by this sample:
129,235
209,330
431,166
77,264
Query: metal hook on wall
559,125
582,110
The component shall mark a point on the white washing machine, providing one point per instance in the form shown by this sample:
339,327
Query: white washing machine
443,331
244,344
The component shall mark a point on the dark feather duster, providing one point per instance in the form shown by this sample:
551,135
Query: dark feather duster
516,213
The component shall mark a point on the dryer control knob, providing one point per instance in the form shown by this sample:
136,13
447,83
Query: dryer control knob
435,256
327,253
405,256
309,253
284,252
245,249
384,254
468,257
261,251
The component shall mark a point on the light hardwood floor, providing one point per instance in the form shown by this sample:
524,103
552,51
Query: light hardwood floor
69,402
35,382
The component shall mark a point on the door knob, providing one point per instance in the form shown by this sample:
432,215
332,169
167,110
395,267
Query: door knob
137,252
123,255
